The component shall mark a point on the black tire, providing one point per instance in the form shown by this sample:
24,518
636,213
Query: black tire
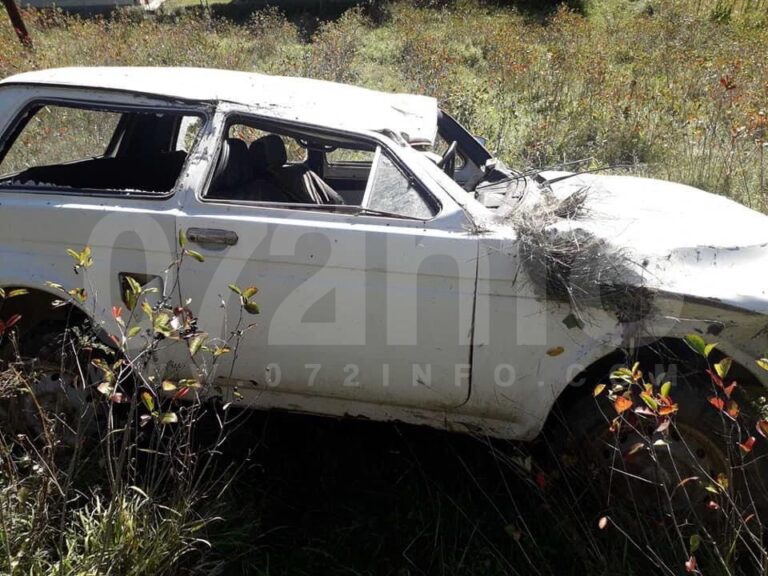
695,471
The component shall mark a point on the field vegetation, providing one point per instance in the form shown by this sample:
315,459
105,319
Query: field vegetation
675,90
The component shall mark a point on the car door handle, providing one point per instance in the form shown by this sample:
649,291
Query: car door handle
212,236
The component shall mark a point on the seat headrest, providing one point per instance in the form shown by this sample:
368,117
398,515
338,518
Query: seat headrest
257,153
233,167
268,153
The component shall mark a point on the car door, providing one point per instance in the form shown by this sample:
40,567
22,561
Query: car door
365,308
67,182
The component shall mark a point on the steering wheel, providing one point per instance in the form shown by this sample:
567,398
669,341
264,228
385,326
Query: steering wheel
448,161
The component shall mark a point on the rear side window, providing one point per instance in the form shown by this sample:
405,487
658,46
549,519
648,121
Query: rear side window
57,135
75,148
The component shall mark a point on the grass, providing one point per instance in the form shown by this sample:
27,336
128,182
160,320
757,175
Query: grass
173,5
675,90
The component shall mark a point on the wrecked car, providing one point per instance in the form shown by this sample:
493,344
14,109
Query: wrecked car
404,273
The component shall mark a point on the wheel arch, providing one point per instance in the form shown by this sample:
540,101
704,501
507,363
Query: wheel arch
652,357
37,306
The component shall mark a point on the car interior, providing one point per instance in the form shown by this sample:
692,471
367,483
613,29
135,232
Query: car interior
62,146
67,147
260,163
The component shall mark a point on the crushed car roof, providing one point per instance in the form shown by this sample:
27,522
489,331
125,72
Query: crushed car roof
310,101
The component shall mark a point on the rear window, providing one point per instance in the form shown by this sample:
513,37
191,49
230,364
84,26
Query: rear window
79,147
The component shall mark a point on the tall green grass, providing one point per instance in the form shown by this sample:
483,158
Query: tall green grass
675,89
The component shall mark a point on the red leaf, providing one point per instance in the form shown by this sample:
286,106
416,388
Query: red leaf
602,523
712,505
117,312
181,393
733,409
762,428
690,565
667,410
715,378
729,390
727,82
717,402
541,480
748,445
12,321
622,404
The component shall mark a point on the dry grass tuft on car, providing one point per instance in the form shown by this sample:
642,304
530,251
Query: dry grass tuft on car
568,263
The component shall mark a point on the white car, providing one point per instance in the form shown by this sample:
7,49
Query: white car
403,272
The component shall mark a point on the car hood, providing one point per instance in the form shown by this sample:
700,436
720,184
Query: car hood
682,240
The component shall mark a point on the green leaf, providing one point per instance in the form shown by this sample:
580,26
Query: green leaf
723,367
598,390
649,400
196,343
251,307
82,259
235,289
169,418
182,238
763,363
169,386
105,388
697,344
131,300
133,285
708,349
665,389
694,542
148,400
196,255
17,292
2,293
162,324
624,374
134,331
78,294
86,260
221,350
190,383
250,292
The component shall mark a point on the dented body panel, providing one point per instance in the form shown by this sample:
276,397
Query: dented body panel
441,321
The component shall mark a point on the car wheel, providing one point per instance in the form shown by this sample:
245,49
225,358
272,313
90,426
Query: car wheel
46,388
702,463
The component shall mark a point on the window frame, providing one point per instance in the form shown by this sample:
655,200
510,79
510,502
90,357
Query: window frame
285,128
22,118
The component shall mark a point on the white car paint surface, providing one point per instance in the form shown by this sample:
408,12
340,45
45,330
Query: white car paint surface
429,321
